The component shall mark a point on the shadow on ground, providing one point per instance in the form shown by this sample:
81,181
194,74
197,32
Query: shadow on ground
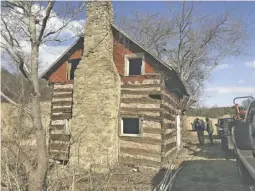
208,175
209,152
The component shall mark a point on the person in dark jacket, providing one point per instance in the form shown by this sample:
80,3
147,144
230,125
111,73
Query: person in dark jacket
209,129
200,127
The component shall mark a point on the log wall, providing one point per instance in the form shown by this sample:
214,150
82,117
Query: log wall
170,103
149,100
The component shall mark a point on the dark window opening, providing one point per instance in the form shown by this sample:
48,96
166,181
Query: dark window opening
131,126
135,66
155,96
72,65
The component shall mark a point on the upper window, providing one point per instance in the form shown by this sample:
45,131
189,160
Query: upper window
134,64
71,67
130,126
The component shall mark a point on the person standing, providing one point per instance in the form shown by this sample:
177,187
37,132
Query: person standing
199,126
209,129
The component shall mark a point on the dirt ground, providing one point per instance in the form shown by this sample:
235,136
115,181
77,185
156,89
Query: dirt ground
207,168
204,168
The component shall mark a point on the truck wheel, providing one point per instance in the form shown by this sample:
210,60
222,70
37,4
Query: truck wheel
243,173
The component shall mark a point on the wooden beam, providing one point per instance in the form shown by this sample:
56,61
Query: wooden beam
144,152
64,96
136,92
56,155
138,109
61,102
59,146
169,125
140,100
169,135
61,116
145,117
168,116
70,90
152,130
171,100
62,110
140,86
169,156
145,140
139,162
60,137
167,108
169,146
57,127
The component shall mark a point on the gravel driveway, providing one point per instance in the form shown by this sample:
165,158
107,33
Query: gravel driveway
207,168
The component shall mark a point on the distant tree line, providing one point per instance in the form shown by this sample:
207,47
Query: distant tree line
215,112
13,86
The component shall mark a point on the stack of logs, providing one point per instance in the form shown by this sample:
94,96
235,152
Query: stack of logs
61,112
151,101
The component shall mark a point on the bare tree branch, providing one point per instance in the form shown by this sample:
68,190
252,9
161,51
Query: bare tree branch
45,19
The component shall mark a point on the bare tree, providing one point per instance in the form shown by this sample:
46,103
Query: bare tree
26,26
191,42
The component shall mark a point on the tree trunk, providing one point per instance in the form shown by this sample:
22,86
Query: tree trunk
36,180
37,176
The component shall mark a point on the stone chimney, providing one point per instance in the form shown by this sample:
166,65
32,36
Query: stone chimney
94,125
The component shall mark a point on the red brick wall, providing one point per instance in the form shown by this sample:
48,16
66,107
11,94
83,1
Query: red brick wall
119,58
59,76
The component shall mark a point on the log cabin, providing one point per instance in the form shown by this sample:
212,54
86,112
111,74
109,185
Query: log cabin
151,93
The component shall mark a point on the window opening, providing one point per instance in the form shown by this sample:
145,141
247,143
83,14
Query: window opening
134,64
130,126
71,67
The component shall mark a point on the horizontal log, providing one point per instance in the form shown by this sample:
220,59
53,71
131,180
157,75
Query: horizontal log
133,109
145,117
60,137
135,92
140,86
168,116
170,94
59,146
170,100
145,140
140,100
56,155
63,90
69,95
167,108
61,116
138,162
63,110
61,102
152,130
57,127
169,135
169,146
169,125
144,152
170,156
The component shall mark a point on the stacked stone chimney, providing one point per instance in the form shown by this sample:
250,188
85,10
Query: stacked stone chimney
94,125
